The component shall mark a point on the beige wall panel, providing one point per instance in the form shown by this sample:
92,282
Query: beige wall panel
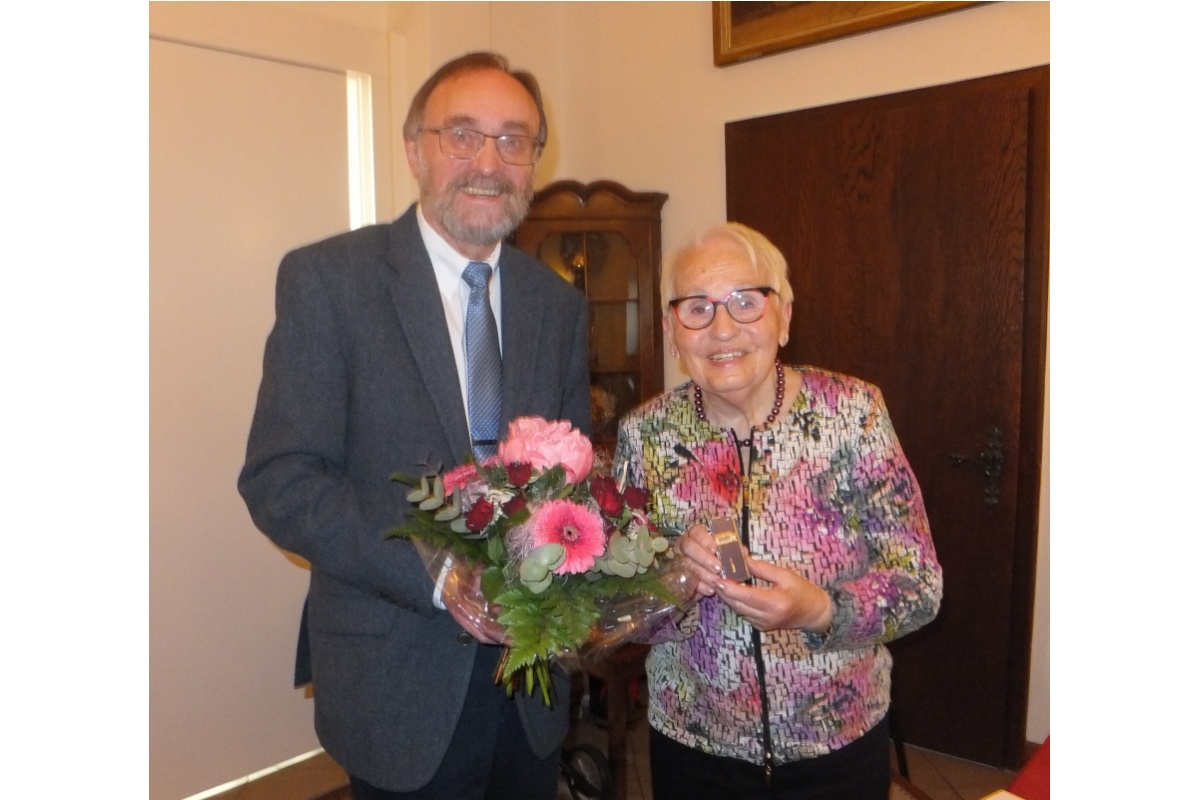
248,158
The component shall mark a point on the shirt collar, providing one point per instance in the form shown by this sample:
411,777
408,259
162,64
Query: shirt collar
446,260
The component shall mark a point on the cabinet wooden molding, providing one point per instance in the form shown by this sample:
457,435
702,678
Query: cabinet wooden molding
607,241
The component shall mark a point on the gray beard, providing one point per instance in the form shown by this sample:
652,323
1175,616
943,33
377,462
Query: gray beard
441,208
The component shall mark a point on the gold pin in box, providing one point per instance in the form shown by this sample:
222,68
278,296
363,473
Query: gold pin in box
729,547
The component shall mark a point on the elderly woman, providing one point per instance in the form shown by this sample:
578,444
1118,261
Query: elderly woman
777,686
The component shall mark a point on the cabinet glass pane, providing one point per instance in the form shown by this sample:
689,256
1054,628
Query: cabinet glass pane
565,260
613,336
612,269
600,264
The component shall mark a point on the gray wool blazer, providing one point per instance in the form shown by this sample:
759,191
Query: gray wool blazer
359,383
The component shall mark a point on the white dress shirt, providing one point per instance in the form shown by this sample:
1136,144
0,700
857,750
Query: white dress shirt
448,267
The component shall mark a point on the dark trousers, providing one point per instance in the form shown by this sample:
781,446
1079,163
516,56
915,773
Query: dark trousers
489,756
858,771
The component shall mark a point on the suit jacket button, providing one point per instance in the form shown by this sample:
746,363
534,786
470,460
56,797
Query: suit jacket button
464,637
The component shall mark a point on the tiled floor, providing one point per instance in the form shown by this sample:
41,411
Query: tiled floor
939,776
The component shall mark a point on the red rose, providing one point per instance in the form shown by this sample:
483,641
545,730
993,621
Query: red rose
519,473
604,489
637,497
480,515
515,504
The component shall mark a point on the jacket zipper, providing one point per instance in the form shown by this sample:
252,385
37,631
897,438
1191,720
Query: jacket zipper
755,635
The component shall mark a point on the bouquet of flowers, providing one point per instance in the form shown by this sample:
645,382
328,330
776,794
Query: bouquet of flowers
569,564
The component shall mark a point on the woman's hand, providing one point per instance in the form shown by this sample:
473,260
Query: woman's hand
789,601
700,550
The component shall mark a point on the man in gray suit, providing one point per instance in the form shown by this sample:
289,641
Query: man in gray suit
365,375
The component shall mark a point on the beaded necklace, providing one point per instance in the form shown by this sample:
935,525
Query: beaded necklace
698,397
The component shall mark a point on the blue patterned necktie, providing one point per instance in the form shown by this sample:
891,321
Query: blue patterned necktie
483,362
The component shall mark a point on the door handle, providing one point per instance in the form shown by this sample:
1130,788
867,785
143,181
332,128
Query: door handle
991,461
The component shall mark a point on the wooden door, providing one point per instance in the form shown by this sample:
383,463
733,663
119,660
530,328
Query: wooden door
916,227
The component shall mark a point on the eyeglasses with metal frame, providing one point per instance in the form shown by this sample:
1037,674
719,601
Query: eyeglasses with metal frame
696,312
465,143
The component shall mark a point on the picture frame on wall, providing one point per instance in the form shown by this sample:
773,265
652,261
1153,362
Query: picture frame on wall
747,30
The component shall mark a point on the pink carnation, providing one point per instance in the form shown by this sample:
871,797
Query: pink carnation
459,477
575,527
545,444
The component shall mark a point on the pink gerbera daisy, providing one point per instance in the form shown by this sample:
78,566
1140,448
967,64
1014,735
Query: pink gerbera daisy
575,527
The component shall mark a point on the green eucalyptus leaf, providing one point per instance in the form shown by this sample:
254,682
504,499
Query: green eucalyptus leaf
624,569
537,587
551,554
533,570
620,549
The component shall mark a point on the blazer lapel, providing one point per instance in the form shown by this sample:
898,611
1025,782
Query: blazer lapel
418,305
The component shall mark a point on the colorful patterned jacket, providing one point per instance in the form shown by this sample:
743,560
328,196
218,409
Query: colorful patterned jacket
827,493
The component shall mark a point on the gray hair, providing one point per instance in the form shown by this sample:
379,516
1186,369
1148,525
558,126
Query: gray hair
471,62
757,248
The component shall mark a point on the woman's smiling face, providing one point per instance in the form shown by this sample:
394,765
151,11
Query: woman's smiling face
733,362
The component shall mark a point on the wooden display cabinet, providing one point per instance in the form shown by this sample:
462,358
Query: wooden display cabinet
606,240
